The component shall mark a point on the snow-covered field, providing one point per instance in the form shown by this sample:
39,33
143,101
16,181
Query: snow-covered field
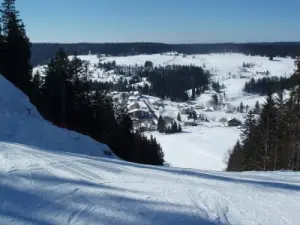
199,147
48,177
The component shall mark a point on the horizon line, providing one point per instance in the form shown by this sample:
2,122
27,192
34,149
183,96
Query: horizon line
149,42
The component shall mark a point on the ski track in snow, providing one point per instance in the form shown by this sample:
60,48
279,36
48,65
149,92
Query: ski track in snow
41,187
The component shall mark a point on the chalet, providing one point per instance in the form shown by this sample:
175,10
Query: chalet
134,105
158,103
234,122
139,114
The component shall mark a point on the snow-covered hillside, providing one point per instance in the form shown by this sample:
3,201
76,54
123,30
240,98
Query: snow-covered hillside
48,177
21,123
204,146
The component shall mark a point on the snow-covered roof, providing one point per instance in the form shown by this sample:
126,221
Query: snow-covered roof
138,110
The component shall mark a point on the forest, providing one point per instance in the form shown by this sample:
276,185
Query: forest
263,86
270,140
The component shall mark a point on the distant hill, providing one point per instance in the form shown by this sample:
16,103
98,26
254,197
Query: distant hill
41,52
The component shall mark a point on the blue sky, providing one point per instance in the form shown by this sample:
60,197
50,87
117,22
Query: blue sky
169,21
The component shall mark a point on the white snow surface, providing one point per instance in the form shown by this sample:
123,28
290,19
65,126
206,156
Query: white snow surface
47,187
47,177
201,147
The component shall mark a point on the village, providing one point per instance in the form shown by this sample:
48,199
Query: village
145,111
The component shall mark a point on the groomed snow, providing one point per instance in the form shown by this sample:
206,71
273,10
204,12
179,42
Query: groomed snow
45,187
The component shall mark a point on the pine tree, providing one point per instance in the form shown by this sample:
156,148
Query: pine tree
272,141
247,108
215,100
57,81
267,128
161,125
179,128
242,107
174,128
279,129
236,158
257,108
179,117
194,115
249,136
16,63
294,155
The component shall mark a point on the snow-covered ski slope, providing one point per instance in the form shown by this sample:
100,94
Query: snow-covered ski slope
48,188
47,178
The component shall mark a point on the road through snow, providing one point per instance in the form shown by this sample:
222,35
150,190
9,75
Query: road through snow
46,187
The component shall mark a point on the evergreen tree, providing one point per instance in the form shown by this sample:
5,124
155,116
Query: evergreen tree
242,107
174,127
57,80
216,87
236,158
257,108
148,64
267,128
194,115
161,125
247,108
215,101
16,63
249,136
179,117
179,128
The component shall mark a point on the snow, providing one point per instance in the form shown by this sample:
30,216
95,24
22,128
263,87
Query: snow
201,147
22,123
45,187
48,176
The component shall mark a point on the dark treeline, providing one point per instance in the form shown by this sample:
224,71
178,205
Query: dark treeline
271,141
265,85
64,97
41,52
174,81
